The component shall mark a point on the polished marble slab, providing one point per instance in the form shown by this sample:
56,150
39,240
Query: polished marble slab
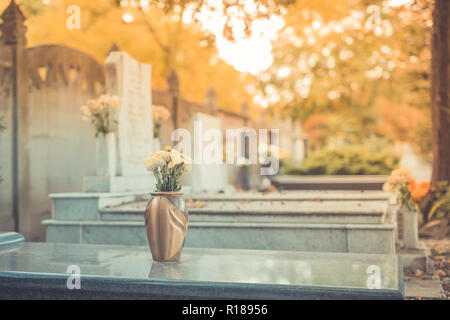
41,270
8,239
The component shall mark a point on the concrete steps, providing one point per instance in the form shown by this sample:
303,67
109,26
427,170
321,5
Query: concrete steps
361,223
356,238
345,182
274,211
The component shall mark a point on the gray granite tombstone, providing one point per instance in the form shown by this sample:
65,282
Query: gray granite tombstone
46,271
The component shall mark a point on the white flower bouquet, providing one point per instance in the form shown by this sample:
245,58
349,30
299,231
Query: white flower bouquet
101,113
160,114
168,166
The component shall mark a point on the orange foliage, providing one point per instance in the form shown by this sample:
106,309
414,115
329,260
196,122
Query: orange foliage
405,123
316,127
418,191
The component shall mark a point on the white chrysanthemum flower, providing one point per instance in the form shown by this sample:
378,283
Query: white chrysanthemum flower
171,165
154,161
166,156
186,159
168,167
150,163
176,157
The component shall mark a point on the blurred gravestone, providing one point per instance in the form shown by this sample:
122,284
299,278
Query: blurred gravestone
299,147
209,177
130,81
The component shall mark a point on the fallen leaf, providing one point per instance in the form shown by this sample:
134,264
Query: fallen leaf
441,273
418,273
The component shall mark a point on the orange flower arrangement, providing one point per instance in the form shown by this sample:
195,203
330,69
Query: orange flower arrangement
418,191
409,192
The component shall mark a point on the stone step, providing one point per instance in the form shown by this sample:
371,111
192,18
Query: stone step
296,182
9,240
86,205
295,195
275,211
356,238
131,205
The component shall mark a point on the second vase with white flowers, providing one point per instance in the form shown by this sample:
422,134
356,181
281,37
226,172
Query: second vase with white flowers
166,216
102,114
160,114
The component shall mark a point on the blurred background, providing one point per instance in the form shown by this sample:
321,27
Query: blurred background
355,74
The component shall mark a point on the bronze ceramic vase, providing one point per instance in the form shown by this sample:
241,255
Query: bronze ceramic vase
166,221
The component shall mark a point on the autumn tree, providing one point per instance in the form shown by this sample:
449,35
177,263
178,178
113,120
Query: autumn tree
333,62
368,58
174,43
365,67
440,88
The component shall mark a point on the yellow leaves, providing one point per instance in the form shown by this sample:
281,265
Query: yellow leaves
102,25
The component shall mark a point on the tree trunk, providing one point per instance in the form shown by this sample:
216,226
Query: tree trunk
440,88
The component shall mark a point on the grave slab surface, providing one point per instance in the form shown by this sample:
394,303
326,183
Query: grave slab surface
366,212
293,195
39,271
276,206
363,182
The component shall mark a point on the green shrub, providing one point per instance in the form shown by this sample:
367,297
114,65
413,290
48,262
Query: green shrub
354,160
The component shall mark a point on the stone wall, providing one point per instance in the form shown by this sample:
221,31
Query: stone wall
46,146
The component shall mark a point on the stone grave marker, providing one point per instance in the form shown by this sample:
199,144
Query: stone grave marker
130,80
208,177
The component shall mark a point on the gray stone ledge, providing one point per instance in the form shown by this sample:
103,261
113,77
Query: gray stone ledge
78,195
262,207
227,225
10,239
290,195
332,179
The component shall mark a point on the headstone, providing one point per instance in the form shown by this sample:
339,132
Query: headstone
299,147
286,135
299,150
206,177
130,81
